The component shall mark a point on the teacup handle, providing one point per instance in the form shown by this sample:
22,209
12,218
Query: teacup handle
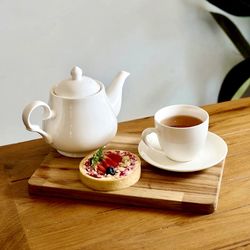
47,114
144,135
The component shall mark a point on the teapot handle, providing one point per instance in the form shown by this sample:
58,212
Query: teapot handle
47,114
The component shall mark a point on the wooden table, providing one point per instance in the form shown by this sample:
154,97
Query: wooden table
35,222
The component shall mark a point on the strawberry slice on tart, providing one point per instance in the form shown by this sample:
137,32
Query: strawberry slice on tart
107,170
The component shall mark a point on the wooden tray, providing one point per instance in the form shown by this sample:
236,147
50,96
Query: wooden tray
197,192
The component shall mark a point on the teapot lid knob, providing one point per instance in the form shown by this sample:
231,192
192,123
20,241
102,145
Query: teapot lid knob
76,73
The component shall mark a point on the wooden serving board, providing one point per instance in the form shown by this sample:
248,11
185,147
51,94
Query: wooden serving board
197,192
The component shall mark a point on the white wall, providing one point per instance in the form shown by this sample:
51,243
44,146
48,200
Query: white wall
174,50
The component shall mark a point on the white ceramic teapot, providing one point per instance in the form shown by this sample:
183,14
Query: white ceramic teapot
80,116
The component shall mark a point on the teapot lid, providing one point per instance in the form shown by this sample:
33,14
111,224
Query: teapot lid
78,86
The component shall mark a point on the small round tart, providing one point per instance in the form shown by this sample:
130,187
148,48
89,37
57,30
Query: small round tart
107,170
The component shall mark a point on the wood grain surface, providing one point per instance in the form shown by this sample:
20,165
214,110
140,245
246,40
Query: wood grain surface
194,192
40,222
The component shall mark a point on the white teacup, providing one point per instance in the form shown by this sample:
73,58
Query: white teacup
181,131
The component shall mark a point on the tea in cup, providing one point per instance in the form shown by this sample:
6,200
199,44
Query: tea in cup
181,131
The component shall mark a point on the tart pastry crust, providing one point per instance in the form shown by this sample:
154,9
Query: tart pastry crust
126,170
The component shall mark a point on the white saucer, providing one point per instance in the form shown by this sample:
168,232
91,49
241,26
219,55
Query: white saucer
215,151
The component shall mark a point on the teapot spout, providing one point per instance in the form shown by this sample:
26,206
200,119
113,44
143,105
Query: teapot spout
114,91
